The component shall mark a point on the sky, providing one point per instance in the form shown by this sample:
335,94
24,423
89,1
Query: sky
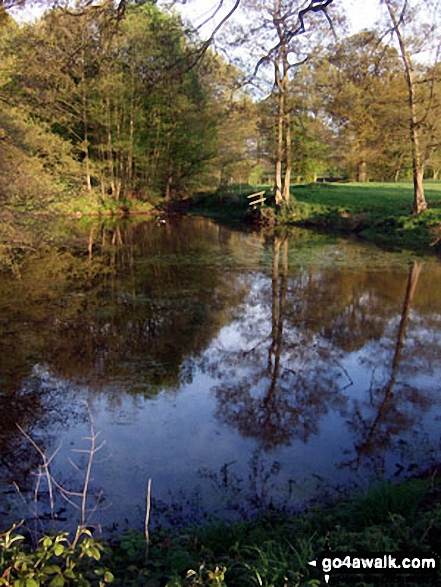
360,14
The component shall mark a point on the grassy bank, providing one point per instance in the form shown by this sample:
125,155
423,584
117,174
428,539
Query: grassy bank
377,212
273,551
380,213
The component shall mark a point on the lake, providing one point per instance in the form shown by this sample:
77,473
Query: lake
236,370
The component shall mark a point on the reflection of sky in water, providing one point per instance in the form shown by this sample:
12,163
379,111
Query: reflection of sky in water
179,440
205,438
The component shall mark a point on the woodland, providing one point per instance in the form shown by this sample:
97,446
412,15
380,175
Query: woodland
119,106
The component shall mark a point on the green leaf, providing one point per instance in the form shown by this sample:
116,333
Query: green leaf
59,549
108,577
94,552
32,583
52,569
57,581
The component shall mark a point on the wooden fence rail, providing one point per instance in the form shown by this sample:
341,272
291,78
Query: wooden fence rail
260,198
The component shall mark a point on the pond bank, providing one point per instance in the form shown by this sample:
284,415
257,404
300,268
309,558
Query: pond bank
373,212
272,551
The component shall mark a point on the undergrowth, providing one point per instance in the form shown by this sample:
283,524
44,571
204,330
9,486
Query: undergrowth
273,551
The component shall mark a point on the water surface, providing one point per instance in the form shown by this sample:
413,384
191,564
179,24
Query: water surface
236,370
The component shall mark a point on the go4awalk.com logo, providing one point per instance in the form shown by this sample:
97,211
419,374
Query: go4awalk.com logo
336,564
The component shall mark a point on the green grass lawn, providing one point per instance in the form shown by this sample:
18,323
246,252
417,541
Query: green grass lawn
378,212
375,199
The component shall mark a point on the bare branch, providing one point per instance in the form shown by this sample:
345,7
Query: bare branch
45,467
213,15
285,38
206,44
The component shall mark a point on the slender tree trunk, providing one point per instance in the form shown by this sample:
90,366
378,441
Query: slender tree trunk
131,138
279,139
119,163
287,179
398,168
168,188
287,124
85,122
283,144
419,201
109,145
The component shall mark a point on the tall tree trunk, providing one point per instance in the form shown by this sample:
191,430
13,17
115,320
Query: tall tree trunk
287,179
398,168
85,120
283,146
131,136
119,158
279,139
110,145
419,201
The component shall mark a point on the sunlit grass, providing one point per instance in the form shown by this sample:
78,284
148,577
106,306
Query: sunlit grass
372,198
378,212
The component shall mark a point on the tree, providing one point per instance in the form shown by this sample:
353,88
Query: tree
399,17
430,82
283,21
279,22
57,60
309,131
360,88
234,121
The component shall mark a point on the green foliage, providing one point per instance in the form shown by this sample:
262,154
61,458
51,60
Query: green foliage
357,83
36,166
98,117
203,577
55,562
272,551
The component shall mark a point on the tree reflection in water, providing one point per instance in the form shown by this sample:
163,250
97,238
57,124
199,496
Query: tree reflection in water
280,388
293,363
286,381
397,406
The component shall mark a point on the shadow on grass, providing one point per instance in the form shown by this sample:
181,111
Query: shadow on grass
378,213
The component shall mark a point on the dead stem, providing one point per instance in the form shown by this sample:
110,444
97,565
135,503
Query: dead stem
147,518
45,467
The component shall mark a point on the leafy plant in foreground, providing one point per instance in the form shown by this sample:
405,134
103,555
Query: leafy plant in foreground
56,561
